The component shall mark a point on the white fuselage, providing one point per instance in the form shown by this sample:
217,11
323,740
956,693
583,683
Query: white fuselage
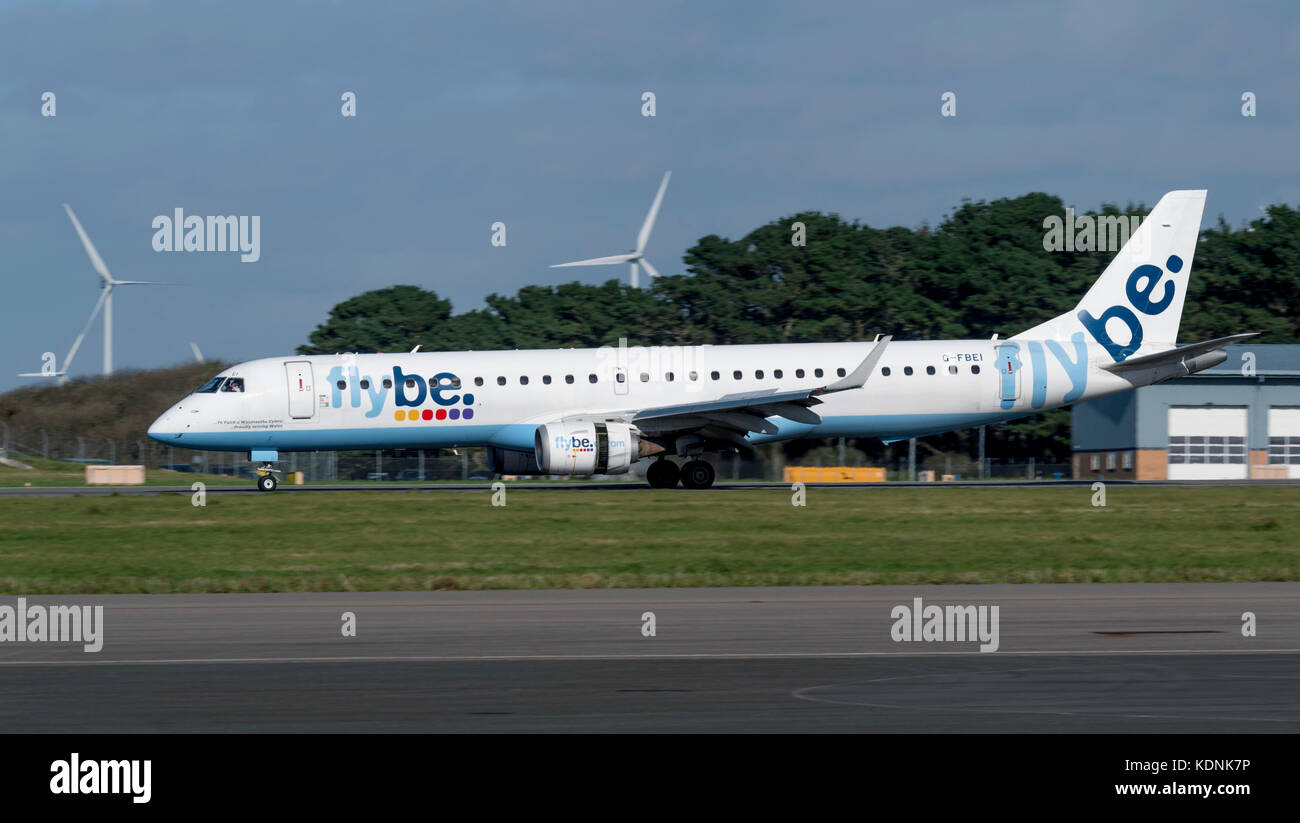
498,398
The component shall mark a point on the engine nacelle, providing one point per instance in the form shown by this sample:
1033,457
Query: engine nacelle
587,448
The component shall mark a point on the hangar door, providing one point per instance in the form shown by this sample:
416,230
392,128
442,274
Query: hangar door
1207,443
302,403
1284,438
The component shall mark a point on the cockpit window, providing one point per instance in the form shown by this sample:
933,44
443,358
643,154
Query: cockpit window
210,386
234,384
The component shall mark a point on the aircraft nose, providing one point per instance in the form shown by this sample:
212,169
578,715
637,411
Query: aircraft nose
164,429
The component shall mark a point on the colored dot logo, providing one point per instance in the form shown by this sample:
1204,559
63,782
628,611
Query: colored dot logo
431,414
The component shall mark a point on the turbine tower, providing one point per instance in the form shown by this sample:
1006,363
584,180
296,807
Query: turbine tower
105,298
637,256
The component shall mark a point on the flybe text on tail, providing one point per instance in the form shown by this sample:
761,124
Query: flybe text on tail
1140,289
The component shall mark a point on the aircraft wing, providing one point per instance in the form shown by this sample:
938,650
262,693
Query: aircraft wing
1177,357
746,412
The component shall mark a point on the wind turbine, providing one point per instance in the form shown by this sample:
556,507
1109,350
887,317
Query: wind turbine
105,299
637,256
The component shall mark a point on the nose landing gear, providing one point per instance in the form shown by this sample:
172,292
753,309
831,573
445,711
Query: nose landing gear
266,481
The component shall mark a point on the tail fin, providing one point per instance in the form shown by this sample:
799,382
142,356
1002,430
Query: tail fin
1139,298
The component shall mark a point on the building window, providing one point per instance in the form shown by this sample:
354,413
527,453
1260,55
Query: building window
1094,462
1128,461
1203,449
1110,461
1284,451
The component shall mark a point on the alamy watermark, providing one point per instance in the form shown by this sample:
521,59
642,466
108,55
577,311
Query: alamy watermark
35,623
919,623
240,233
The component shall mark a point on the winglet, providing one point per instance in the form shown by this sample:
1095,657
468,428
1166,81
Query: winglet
859,376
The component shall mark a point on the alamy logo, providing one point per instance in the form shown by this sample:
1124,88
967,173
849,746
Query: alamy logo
77,776
1105,232
212,233
52,624
1142,287
945,624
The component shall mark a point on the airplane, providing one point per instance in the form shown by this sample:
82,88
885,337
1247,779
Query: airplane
599,411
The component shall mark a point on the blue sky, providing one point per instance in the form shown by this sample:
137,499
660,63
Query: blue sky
529,113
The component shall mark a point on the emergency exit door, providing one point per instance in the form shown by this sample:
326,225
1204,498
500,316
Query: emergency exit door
302,398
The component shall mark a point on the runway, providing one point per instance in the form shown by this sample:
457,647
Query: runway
1093,657
625,486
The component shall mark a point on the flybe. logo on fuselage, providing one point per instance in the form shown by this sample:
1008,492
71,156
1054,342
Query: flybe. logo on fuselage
410,393
1140,297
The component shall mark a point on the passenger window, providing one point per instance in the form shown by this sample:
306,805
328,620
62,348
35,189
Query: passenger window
546,379
817,372
620,377
365,384
591,378
974,369
478,381
343,384
410,383
735,375
929,369
568,378
798,373
885,371
645,378
388,382
758,374
952,370
523,380
714,375
840,372
668,376
777,374
695,375
907,370
501,381
237,384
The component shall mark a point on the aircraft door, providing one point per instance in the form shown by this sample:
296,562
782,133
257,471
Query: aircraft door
1009,369
302,397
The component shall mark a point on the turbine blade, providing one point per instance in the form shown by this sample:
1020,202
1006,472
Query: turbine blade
633,280
95,259
649,269
103,296
650,217
198,355
600,261
140,283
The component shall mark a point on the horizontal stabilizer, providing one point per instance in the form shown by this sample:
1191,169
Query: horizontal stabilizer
1183,355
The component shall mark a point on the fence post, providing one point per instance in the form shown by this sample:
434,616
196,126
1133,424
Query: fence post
982,468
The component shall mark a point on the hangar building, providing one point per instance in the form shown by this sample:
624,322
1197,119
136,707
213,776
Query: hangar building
1238,420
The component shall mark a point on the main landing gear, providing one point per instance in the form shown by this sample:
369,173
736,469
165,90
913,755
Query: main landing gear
695,474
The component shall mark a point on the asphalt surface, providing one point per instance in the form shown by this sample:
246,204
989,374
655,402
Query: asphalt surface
249,488
1093,658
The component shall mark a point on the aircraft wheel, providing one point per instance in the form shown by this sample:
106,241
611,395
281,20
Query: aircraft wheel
697,474
663,474
266,483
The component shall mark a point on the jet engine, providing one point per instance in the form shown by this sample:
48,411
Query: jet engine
589,448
